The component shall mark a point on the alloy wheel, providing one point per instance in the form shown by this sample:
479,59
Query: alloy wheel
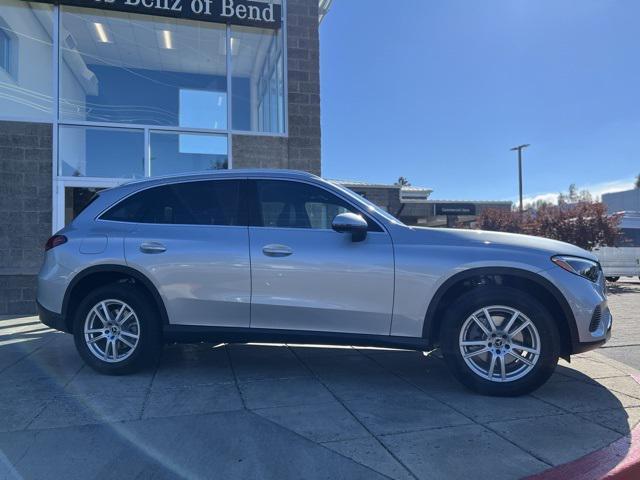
112,330
499,343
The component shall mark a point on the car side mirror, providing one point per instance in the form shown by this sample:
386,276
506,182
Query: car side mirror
351,223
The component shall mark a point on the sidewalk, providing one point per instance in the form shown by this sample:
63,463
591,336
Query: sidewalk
247,411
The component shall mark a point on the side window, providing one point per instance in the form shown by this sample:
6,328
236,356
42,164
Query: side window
214,202
290,204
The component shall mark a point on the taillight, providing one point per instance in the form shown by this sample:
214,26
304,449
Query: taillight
54,242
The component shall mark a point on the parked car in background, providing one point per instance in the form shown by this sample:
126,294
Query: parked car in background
623,259
281,256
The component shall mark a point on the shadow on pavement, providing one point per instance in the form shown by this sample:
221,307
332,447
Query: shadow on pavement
263,411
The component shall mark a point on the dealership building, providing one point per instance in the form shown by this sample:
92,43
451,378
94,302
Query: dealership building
94,93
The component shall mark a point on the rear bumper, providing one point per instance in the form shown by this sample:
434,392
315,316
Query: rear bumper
52,319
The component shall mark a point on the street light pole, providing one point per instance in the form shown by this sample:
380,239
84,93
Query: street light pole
519,149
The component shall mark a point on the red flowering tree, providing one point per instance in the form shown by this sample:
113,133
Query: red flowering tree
584,224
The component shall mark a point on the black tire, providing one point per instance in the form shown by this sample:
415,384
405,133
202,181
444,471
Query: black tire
472,301
612,279
149,345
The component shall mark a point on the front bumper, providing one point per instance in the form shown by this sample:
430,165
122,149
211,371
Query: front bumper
581,347
583,298
52,319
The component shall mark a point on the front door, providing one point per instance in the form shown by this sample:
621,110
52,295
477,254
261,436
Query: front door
191,240
306,276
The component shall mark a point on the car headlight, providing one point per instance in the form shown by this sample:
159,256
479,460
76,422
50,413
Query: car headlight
580,266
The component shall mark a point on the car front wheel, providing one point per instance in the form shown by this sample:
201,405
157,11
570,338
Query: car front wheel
116,331
500,341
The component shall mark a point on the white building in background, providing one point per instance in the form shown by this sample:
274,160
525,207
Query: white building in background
627,201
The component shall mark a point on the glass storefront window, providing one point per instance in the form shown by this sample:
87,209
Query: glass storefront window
26,50
142,69
100,152
186,152
76,199
257,80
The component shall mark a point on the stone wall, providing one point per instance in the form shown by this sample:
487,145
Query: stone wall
25,211
301,149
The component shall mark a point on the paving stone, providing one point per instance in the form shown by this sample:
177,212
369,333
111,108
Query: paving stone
17,413
576,396
393,413
484,409
558,439
58,363
260,362
356,364
462,452
347,386
591,367
368,451
325,422
621,420
192,400
189,365
284,392
90,382
230,445
68,410
627,385
405,363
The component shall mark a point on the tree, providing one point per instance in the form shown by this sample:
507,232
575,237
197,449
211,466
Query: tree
501,220
638,181
574,195
403,182
586,225
585,196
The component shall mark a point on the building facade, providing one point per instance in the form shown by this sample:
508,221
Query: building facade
626,201
93,97
413,205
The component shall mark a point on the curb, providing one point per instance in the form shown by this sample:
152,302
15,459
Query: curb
617,461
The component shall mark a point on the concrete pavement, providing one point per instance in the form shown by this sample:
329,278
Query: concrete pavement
624,346
276,411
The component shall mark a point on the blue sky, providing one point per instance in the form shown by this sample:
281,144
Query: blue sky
439,90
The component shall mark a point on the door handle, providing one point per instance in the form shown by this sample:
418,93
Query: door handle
152,247
276,250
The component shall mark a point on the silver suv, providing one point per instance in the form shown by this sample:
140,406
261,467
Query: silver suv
282,256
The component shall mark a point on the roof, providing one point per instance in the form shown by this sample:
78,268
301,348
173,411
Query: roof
358,183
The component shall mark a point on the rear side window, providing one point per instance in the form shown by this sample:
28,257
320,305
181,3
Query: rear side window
215,202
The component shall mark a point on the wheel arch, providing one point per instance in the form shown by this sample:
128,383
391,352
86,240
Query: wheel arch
97,275
525,280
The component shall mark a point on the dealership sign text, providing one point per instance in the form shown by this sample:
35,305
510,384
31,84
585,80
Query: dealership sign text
236,12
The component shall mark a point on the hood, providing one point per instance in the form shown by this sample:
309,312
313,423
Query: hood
500,239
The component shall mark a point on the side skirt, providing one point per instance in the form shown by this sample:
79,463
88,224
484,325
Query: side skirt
197,334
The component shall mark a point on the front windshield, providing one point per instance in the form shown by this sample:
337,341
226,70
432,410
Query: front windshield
371,207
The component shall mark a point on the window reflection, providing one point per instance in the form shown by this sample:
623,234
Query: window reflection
257,80
100,152
186,152
26,85
140,69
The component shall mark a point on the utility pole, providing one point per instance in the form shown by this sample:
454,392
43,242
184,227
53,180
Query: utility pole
519,149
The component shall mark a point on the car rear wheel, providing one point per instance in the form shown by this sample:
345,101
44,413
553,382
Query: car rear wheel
500,341
612,279
116,331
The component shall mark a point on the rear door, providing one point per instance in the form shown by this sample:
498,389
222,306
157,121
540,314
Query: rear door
191,241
